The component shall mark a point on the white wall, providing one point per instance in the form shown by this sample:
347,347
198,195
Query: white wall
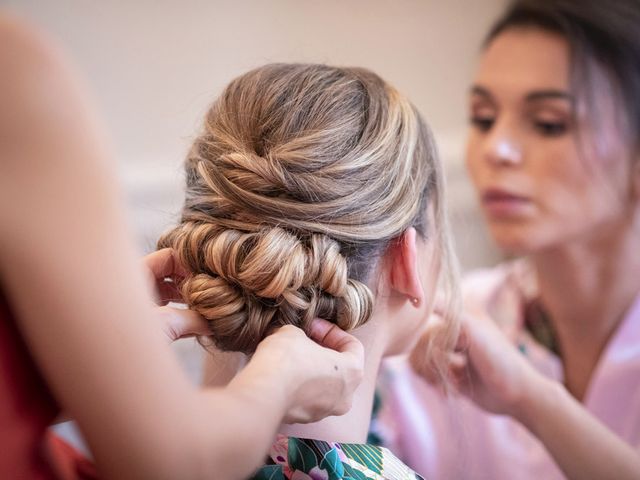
154,66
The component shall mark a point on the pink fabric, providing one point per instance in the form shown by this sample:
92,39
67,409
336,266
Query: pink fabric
450,438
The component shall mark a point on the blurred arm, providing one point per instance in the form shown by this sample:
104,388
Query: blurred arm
67,267
489,370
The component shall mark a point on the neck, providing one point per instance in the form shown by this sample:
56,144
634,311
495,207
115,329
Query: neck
586,287
354,425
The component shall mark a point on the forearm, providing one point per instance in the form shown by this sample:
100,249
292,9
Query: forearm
581,446
255,404
217,433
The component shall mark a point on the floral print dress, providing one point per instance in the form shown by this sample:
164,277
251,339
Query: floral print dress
303,459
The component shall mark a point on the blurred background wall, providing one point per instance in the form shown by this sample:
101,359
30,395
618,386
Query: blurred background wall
154,67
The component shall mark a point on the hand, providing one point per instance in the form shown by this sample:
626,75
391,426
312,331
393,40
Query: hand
165,273
485,365
323,375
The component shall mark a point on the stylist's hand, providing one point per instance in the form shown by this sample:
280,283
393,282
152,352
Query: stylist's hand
323,372
485,366
165,273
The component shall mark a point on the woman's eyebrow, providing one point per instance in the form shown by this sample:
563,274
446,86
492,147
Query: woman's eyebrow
533,96
549,94
481,91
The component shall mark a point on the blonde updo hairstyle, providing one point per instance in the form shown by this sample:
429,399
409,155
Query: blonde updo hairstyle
301,179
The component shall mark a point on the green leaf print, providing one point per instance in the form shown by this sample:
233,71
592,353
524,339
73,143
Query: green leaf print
332,464
351,473
269,472
301,457
366,455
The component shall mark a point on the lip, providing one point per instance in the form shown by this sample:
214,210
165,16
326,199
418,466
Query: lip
499,202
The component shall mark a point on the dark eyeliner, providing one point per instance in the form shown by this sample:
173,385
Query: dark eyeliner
482,123
551,129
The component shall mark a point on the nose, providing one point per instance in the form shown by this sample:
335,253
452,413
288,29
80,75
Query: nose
503,147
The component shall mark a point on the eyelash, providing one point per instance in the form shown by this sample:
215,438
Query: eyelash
483,124
544,128
550,129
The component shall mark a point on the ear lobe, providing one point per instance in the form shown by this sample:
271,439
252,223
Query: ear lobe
405,275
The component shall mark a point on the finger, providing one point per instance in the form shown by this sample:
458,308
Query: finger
426,372
439,311
164,263
429,335
440,306
331,336
181,322
167,291
481,329
457,361
425,364
463,340
421,362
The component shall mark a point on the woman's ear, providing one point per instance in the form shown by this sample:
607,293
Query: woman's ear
405,275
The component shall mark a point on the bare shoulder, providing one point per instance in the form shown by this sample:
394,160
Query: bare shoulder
47,125
23,43
33,70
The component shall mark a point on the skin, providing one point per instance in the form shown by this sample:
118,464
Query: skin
579,223
577,219
406,278
523,140
69,271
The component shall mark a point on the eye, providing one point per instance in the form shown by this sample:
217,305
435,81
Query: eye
550,129
482,122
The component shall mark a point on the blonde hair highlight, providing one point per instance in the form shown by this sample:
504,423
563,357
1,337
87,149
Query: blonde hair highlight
302,177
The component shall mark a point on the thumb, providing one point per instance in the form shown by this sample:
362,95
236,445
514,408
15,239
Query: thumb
331,336
181,322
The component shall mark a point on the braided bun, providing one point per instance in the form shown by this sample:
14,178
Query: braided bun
250,283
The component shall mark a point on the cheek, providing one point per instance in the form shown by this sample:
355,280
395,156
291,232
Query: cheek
577,198
555,173
559,183
583,184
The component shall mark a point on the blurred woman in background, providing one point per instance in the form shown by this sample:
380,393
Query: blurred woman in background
554,154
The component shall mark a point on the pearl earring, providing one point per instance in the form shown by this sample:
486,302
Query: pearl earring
414,301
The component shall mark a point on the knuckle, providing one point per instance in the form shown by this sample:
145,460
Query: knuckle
289,330
343,407
357,375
